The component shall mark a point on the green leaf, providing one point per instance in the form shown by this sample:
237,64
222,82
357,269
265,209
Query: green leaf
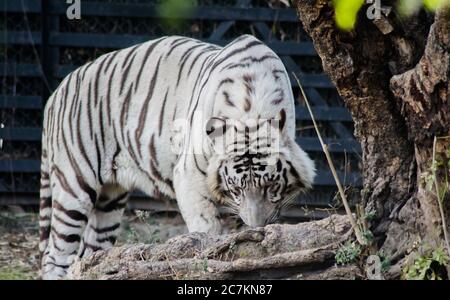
346,12
370,216
408,7
347,253
172,11
432,5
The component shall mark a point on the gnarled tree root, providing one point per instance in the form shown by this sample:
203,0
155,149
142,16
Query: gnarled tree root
301,251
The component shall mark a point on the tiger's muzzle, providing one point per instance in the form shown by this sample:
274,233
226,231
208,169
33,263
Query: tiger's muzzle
255,210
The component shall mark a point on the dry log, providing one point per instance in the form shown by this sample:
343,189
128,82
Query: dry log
301,251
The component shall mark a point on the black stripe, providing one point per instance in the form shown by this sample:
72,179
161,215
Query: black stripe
76,90
197,166
106,229
96,82
251,59
45,202
224,81
57,265
114,204
93,247
101,128
217,63
131,150
293,171
125,110
130,53
110,239
62,106
146,56
81,144
227,99
85,68
89,111
194,61
108,96
99,163
173,46
44,233
65,223
161,115
143,114
79,176
125,73
234,52
184,59
68,238
111,57
73,214
63,181
200,75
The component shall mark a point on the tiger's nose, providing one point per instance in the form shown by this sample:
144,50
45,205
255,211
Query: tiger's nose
252,209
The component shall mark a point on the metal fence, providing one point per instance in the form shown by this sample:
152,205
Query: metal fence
39,45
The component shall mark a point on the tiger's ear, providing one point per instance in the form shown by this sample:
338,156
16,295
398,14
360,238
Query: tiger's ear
216,127
302,165
280,120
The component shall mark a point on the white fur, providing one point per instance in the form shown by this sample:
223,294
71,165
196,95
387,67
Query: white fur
185,169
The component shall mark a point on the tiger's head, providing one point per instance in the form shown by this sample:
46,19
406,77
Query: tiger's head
256,170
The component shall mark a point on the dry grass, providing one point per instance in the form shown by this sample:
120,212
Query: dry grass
19,240
19,254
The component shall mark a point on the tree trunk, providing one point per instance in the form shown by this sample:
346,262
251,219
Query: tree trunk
393,76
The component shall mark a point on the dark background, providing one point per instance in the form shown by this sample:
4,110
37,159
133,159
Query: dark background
39,45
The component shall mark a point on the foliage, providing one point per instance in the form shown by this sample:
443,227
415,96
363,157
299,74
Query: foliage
368,236
425,266
171,10
410,7
385,260
15,273
348,253
369,216
432,5
439,166
346,11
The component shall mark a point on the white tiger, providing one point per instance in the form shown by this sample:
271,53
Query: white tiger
109,128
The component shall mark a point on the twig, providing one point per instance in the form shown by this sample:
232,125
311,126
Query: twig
355,227
436,186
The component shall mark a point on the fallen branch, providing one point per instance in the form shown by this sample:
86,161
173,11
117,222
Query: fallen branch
304,250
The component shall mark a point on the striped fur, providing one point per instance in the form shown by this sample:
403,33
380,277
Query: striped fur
110,128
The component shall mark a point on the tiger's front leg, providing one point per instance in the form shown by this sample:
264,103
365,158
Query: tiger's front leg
197,209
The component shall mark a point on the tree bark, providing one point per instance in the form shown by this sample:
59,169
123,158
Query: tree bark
393,76
302,251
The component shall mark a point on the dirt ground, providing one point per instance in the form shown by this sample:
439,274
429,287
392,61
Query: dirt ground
19,239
